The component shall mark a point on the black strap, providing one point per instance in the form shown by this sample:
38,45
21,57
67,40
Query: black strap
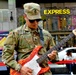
41,37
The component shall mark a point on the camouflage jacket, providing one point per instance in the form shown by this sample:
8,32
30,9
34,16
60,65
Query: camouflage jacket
23,40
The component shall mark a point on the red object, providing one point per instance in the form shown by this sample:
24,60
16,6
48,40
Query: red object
30,57
2,64
64,62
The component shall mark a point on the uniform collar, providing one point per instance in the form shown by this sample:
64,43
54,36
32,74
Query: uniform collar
27,29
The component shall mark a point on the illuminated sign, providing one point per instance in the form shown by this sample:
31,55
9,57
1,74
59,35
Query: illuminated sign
57,11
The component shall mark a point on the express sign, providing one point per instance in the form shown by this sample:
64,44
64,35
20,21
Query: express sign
57,11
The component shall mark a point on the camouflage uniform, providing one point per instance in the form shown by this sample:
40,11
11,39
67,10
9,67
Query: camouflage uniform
23,40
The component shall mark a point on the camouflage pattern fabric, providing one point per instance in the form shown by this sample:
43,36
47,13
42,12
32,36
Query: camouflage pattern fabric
23,40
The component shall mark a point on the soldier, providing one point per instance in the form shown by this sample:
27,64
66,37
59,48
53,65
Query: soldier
25,38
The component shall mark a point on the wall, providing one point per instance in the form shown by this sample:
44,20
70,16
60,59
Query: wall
58,4
3,5
6,7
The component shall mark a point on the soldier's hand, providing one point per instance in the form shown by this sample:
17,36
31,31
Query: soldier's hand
52,55
26,71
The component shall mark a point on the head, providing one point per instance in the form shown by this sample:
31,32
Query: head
69,53
32,14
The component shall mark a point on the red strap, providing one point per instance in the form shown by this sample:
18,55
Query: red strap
64,62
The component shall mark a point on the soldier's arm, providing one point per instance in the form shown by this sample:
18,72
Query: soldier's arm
8,51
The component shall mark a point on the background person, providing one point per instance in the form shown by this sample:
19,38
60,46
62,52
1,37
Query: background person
69,56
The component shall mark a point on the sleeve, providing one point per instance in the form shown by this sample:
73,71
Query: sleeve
8,51
74,58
